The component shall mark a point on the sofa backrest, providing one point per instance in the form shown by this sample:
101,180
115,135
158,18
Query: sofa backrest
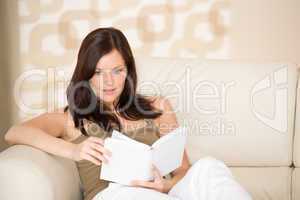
296,153
239,112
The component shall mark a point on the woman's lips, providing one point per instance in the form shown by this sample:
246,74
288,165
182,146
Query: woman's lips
109,91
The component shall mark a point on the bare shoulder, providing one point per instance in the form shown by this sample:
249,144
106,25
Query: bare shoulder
57,123
70,132
168,120
52,123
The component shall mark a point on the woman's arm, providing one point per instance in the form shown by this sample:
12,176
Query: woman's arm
44,132
166,123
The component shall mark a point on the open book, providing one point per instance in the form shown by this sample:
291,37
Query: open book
132,160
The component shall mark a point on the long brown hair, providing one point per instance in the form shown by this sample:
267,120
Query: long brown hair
83,102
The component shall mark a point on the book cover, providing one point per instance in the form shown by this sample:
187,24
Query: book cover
132,160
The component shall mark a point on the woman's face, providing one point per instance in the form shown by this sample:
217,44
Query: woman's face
109,78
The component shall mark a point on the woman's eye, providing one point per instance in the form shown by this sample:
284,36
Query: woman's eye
118,71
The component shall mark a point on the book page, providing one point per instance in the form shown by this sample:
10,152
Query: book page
128,162
167,151
118,135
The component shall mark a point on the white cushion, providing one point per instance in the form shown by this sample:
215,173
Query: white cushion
255,139
265,183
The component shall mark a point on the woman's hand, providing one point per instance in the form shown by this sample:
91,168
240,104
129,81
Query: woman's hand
91,149
159,183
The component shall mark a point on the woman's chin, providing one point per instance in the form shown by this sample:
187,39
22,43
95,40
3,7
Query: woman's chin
108,100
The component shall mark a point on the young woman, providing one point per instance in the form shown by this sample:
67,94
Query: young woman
102,97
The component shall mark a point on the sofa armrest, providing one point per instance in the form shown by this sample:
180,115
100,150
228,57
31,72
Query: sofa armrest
27,173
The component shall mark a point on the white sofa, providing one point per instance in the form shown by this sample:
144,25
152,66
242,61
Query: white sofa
243,113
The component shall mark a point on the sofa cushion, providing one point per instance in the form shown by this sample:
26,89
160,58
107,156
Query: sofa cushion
28,173
296,184
296,155
265,183
239,112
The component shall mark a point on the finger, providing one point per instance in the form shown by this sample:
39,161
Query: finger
100,143
101,149
97,155
146,184
91,159
156,173
96,140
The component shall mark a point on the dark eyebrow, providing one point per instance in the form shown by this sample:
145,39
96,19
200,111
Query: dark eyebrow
119,66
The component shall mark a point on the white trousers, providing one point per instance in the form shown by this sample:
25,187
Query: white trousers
207,179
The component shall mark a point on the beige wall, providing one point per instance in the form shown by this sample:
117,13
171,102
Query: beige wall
9,65
50,33
265,30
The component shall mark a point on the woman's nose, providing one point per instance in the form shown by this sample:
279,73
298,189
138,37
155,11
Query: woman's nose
108,78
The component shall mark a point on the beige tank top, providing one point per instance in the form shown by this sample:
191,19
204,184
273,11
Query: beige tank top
89,173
